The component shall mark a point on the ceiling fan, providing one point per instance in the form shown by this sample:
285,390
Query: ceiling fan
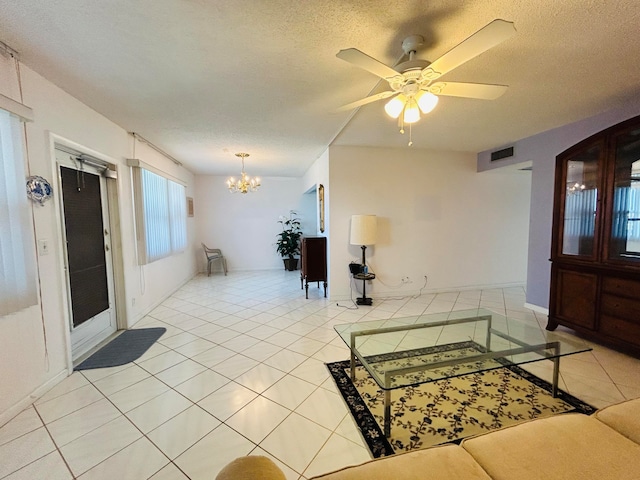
412,83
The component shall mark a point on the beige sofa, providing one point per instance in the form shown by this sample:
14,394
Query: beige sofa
602,446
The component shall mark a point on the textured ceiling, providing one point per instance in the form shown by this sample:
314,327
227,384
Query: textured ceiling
205,79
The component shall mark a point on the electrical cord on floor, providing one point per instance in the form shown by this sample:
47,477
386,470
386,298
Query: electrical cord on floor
426,279
410,296
355,305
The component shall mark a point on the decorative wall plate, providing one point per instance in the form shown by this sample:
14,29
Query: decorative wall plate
38,189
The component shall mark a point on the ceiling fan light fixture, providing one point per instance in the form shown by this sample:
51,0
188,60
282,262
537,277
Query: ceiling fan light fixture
411,86
411,112
427,101
395,106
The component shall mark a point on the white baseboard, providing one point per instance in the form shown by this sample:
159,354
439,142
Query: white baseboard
22,404
390,294
537,308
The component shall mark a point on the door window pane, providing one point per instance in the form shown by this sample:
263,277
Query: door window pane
581,197
625,223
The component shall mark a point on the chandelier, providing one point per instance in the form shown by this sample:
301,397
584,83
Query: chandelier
575,187
245,184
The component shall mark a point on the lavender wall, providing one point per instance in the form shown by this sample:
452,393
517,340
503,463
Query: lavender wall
541,150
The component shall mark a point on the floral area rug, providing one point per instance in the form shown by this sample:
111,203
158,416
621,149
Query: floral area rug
447,410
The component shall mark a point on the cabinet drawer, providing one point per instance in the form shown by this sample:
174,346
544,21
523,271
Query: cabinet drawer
621,329
621,287
621,307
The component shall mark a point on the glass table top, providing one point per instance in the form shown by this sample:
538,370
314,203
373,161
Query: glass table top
406,351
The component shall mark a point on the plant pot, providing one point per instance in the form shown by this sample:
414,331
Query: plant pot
290,264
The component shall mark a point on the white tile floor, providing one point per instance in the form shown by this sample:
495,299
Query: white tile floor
241,371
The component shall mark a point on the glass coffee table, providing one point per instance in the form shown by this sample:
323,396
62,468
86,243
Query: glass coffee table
400,352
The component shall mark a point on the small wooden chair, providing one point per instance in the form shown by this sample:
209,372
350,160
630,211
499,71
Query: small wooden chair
214,254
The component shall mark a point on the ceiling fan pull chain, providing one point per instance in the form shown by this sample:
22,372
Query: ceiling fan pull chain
410,140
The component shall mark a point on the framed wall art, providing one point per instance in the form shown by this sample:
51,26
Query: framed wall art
190,206
321,206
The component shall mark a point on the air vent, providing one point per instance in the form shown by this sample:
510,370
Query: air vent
500,154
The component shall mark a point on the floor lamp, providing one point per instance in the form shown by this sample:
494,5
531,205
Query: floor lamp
363,232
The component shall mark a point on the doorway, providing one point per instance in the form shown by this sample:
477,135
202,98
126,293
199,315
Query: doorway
86,235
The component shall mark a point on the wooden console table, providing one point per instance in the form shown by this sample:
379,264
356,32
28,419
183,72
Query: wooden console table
313,253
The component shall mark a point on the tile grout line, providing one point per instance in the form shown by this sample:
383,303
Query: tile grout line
57,448
181,298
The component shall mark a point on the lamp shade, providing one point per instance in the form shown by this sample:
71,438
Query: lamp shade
363,229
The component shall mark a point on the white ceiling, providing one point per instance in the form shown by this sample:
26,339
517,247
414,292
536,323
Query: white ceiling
204,79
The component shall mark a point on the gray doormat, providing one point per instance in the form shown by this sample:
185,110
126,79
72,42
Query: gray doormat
125,348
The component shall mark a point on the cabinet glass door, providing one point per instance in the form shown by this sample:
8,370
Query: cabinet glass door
624,242
580,201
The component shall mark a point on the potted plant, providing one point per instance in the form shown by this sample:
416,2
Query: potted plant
288,243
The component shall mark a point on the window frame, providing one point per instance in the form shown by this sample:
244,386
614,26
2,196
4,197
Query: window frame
160,204
18,266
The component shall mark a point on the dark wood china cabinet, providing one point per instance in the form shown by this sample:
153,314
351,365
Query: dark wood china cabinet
595,270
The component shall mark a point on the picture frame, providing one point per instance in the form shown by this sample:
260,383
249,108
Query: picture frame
189,206
321,206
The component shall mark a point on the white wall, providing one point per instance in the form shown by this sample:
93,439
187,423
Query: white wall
309,210
34,352
244,226
436,216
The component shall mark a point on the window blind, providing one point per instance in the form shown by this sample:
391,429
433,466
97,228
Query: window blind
177,216
18,288
161,216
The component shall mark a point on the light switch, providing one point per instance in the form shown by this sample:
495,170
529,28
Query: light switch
43,246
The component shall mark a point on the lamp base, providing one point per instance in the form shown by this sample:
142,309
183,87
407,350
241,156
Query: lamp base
363,300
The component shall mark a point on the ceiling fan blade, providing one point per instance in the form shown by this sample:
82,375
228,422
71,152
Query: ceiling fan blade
364,61
481,91
364,101
487,37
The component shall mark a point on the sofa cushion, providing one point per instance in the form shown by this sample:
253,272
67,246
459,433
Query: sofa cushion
624,417
449,462
568,446
253,467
